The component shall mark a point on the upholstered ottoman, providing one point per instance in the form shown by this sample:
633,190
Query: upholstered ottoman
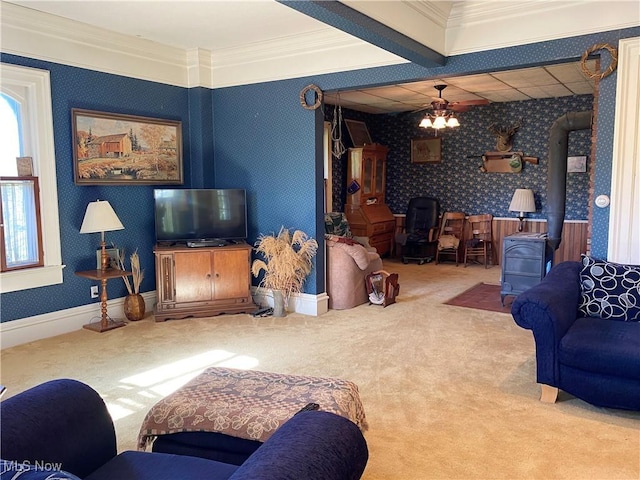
226,414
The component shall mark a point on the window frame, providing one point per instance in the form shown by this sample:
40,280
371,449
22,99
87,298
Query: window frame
39,144
38,230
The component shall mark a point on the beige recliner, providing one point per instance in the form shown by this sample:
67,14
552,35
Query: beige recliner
348,264
349,260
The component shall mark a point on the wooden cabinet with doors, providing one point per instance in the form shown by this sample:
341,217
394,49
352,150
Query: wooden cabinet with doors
202,282
366,210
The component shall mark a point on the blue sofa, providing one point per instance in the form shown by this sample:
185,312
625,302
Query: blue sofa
595,359
65,424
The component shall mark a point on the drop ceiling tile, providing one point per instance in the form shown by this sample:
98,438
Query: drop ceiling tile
571,72
425,86
483,82
393,92
526,78
547,91
580,88
358,96
505,96
537,82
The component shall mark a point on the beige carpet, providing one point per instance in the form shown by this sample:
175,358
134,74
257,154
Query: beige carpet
449,392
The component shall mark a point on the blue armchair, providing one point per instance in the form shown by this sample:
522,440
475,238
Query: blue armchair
64,424
594,359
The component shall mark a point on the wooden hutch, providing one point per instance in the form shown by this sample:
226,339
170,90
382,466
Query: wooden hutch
366,211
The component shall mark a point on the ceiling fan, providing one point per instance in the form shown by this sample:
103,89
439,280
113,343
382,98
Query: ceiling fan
440,104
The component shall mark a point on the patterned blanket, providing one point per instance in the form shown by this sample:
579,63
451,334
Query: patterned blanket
247,404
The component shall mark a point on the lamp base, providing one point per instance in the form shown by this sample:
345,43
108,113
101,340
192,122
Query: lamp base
98,327
521,224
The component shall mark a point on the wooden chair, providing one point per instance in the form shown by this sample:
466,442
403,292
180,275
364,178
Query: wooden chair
480,242
451,233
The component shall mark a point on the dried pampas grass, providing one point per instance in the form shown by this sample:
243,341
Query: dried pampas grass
286,260
137,274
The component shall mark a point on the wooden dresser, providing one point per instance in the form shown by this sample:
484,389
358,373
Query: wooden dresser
366,211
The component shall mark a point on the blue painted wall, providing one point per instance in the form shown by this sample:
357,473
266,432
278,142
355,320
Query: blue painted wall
79,88
263,140
457,181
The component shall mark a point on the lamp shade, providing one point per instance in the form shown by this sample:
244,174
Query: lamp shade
522,201
426,122
100,217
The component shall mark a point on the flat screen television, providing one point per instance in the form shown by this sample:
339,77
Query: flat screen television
200,216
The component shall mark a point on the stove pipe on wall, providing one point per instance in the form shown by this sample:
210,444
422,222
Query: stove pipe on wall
557,173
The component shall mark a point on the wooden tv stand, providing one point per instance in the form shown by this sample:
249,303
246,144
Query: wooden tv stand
203,281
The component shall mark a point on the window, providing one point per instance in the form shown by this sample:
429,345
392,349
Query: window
21,232
27,130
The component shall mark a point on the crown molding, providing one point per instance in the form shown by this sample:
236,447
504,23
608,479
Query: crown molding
531,21
437,12
33,34
30,33
313,53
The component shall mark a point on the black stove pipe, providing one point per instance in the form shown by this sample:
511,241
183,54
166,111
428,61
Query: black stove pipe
557,174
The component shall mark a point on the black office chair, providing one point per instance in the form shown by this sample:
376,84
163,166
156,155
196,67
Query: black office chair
420,230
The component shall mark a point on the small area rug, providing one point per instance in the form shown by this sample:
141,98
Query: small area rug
482,296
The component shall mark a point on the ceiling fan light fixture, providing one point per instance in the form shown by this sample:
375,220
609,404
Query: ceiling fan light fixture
439,122
453,122
441,116
426,122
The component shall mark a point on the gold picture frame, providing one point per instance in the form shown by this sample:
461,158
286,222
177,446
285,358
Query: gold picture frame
117,149
426,150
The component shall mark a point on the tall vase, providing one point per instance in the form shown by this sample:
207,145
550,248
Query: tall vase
134,307
278,304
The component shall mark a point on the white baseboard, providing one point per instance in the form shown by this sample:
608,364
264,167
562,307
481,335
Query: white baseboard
298,302
30,329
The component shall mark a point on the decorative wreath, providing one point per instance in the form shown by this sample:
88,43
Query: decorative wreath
612,66
303,99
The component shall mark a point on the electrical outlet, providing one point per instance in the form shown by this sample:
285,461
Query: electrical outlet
94,291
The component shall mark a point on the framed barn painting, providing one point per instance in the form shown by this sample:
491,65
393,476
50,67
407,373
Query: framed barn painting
116,149
426,150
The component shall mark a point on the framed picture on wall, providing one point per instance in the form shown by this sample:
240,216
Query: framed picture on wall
117,149
358,132
426,150
577,164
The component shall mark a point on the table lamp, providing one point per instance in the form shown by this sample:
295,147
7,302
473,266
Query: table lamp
100,217
522,202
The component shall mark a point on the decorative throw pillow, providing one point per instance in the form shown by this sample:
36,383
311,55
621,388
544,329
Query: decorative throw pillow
335,238
609,290
335,223
448,241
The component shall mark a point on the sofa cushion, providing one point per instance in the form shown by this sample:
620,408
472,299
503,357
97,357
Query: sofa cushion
603,346
609,290
161,466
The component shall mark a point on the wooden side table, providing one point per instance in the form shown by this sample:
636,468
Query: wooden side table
105,323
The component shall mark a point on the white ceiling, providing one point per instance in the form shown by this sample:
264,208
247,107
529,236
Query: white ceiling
234,30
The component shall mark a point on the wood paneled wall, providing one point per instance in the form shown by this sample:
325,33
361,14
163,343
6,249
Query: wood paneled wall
573,244
574,236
